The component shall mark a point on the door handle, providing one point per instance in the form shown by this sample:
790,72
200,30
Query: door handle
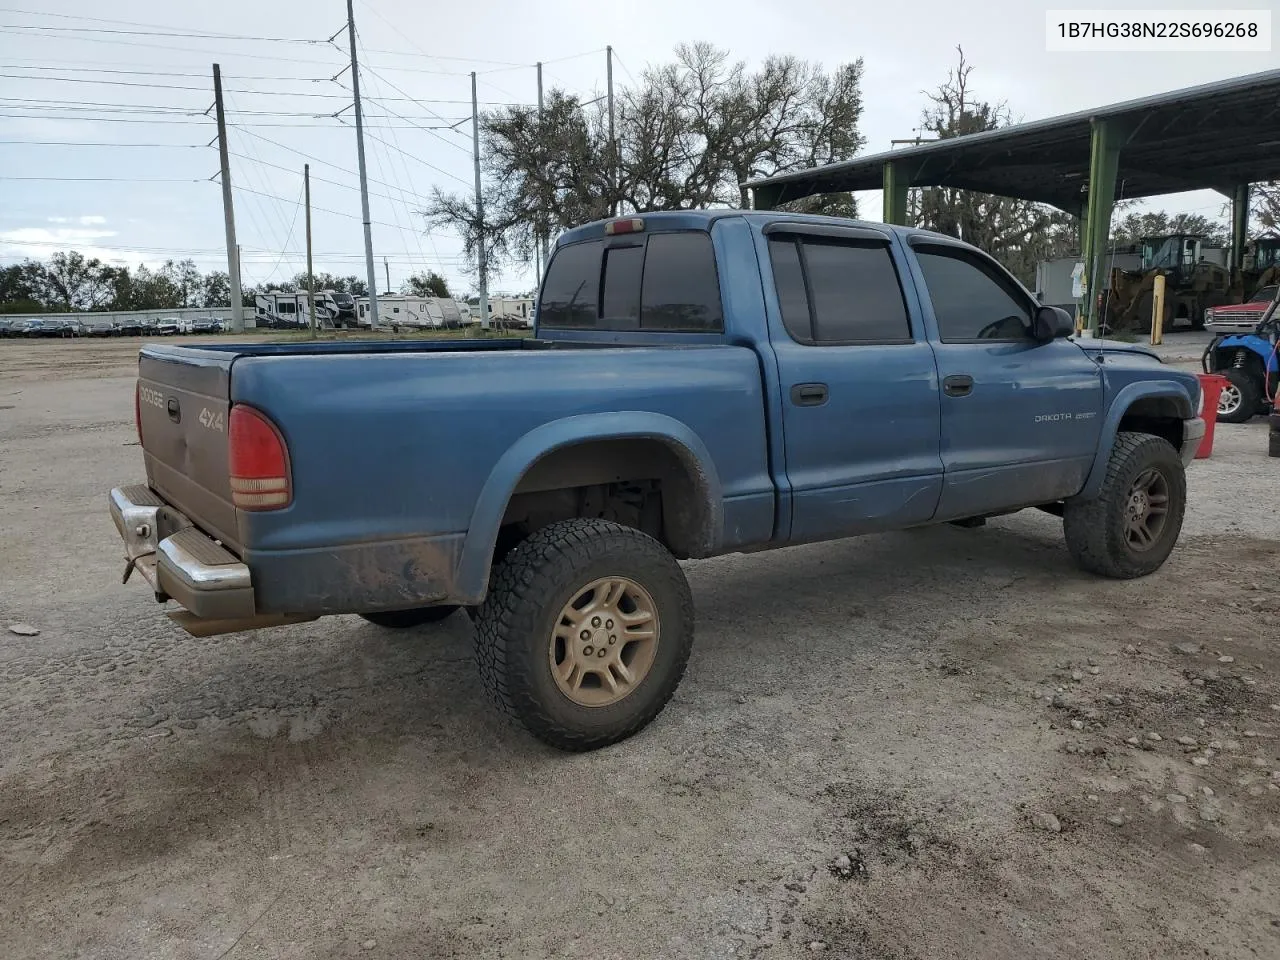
809,394
958,385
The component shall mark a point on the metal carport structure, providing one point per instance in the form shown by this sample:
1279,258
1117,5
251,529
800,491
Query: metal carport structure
1222,136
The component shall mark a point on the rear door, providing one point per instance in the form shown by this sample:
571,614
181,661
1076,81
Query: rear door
1020,416
183,401
859,384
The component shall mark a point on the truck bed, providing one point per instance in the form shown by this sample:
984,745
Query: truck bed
399,450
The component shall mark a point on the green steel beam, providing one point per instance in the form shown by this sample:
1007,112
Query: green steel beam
1104,159
1239,223
895,195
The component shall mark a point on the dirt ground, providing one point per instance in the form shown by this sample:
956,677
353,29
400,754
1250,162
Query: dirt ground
937,744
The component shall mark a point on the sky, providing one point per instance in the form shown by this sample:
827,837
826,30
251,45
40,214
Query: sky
104,141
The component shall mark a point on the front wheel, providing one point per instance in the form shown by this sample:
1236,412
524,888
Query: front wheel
585,632
403,619
1131,527
1240,398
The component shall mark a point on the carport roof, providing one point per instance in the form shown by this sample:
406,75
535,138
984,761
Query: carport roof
1216,135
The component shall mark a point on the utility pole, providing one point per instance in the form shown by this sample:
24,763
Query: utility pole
311,274
543,225
370,273
480,257
228,210
613,143
386,265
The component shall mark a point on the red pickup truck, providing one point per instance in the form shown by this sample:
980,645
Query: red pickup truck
1240,317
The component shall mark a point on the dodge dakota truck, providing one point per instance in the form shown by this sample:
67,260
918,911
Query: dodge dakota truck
699,383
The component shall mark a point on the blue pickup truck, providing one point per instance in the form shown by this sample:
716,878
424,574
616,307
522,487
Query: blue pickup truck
699,383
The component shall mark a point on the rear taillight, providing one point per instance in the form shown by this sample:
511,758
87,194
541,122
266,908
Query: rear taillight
137,409
258,461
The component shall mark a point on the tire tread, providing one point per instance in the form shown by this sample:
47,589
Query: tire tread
1087,524
525,577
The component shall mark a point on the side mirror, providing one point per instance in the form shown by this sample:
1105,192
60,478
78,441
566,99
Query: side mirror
1052,323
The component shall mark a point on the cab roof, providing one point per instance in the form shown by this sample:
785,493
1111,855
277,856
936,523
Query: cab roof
703,220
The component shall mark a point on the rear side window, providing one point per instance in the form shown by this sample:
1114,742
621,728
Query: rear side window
681,290
571,291
838,291
660,281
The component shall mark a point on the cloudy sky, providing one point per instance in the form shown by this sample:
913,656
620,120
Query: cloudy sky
103,137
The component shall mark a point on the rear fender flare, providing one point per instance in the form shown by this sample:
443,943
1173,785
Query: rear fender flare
482,534
1148,389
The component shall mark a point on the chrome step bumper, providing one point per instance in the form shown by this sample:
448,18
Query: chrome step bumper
179,561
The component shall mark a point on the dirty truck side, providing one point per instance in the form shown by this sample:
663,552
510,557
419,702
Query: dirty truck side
698,384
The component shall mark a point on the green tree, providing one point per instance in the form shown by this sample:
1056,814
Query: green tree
17,291
70,281
1132,227
216,290
428,284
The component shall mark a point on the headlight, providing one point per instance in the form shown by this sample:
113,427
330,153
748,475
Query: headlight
1200,405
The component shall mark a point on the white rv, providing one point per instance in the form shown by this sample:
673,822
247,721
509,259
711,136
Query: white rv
403,312
279,308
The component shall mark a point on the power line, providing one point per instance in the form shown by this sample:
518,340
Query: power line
283,250
187,34
430,166
335,183
177,119
374,73
107,179
97,143
205,89
142,73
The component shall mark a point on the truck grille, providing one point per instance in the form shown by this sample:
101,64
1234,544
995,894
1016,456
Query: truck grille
1236,316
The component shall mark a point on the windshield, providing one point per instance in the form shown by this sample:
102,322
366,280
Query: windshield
1160,253
1264,294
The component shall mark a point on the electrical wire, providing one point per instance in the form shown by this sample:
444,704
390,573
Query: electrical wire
258,93
288,238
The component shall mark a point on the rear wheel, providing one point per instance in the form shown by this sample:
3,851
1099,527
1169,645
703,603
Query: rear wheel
1131,527
1240,398
585,632
401,619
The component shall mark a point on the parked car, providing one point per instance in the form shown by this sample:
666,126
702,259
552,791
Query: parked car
8,328
101,328
169,327
131,328
207,325
700,383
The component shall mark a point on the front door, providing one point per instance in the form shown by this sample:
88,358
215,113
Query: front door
859,385
1020,416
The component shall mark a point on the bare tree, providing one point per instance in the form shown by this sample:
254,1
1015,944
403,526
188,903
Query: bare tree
1016,232
688,135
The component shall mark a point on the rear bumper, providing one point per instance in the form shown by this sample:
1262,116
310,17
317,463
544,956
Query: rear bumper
179,561
1192,434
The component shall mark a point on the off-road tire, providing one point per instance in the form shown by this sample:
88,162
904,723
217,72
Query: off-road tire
403,619
1250,397
1095,529
527,592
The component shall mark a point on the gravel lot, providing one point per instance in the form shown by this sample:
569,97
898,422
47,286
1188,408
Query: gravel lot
941,743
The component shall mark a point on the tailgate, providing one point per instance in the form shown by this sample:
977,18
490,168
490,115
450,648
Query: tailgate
183,401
